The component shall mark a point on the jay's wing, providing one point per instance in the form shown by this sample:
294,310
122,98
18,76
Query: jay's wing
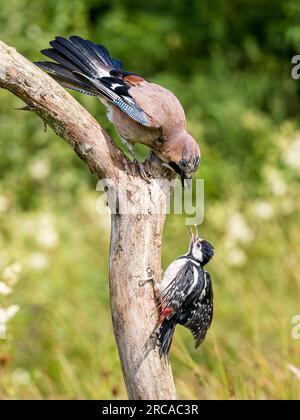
86,67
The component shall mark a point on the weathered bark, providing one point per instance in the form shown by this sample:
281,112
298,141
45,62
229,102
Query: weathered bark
136,245
135,238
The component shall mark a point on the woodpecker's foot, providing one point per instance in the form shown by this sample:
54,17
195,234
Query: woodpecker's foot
150,279
150,272
142,171
155,285
143,283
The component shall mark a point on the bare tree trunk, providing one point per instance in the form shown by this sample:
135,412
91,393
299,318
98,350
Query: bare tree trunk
135,238
136,245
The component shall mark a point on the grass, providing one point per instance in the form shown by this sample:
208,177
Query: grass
60,344
232,73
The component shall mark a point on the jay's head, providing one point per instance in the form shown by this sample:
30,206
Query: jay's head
184,157
200,249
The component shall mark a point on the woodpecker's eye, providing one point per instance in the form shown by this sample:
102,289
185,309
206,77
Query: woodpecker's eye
183,163
198,244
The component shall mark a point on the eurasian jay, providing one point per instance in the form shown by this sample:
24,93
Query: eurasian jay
142,112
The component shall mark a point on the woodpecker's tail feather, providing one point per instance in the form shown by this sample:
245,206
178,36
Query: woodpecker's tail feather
163,336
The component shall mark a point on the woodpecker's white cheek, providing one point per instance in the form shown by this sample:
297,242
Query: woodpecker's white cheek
197,253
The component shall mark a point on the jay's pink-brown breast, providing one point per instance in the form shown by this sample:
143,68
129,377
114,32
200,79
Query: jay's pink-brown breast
160,104
163,108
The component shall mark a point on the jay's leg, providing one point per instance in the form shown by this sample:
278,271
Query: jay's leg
142,171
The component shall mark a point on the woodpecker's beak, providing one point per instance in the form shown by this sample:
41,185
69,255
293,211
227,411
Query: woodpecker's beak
192,235
197,233
192,239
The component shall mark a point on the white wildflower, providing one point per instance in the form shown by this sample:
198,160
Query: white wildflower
5,315
21,376
238,229
11,273
294,370
28,225
236,257
38,261
275,181
46,234
263,210
47,238
11,311
278,186
43,229
4,289
4,204
39,169
291,156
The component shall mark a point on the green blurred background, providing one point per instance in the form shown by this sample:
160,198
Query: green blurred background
230,65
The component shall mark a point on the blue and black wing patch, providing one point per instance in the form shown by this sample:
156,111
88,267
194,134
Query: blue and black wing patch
133,111
86,67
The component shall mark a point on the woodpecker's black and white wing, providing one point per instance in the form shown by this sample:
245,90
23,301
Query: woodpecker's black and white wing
180,287
200,318
81,65
178,280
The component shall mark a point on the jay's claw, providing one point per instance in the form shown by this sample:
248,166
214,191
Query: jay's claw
142,171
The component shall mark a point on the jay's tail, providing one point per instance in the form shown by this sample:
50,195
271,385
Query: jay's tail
78,62
86,67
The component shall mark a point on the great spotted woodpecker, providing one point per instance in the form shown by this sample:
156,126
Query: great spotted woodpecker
184,296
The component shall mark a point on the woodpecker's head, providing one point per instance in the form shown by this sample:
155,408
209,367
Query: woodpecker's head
200,249
184,155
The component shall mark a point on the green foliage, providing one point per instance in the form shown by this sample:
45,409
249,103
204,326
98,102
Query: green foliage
229,63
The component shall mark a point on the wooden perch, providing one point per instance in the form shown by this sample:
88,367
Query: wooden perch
135,238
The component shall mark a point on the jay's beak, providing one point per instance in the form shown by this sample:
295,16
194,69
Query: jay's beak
186,181
186,178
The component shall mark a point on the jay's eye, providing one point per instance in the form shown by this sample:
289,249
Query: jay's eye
183,163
